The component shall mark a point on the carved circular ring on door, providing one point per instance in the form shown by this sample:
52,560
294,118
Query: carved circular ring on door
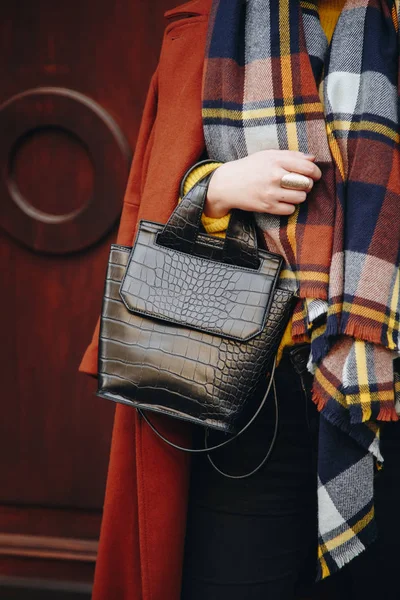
109,153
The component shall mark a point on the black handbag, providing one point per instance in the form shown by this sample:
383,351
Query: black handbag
191,323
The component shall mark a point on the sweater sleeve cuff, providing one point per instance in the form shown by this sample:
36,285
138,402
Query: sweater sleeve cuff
197,173
216,226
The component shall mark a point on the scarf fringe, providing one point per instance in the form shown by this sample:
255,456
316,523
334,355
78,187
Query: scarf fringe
313,292
320,347
360,432
365,333
387,412
319,400
376,410
344,555
333,417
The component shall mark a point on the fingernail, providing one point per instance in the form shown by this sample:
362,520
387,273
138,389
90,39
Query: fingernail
308,155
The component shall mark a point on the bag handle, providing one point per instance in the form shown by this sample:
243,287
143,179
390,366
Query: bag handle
207,450
183,226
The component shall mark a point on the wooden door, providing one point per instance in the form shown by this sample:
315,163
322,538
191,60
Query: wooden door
74,77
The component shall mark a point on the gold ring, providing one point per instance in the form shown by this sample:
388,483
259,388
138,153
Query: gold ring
295,181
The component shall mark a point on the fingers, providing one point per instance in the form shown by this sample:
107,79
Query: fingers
291,196
283,209
294,154
254,183
279,209
301,165
280,202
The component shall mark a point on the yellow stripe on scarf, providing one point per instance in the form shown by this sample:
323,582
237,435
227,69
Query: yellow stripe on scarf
366,126
364,396
392,321
367,313
290,110
344,537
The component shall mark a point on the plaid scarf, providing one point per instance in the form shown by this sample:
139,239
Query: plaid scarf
272,81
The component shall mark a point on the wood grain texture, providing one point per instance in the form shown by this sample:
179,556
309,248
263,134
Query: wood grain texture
61,191
33,588
40,546
54,432
56,522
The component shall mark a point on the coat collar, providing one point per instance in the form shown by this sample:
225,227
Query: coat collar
189,9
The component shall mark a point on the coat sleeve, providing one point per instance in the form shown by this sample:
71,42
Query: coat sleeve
131,203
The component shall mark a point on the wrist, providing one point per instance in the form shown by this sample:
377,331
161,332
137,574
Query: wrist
215,206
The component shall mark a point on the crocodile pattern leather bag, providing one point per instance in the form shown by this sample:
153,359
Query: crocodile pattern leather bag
191,323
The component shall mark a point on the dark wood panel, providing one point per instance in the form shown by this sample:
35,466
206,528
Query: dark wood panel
53,570
20,588
55,434
36,521
60,231
74,79
36,173
54,442
41,546
105,49
47,544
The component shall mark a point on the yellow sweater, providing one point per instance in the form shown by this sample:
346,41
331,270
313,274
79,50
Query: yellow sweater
329,11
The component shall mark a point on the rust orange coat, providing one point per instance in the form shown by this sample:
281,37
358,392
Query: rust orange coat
144,520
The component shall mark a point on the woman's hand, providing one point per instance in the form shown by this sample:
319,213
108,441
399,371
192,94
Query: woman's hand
253,183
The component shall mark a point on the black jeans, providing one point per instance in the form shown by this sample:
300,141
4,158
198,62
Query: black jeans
255,539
